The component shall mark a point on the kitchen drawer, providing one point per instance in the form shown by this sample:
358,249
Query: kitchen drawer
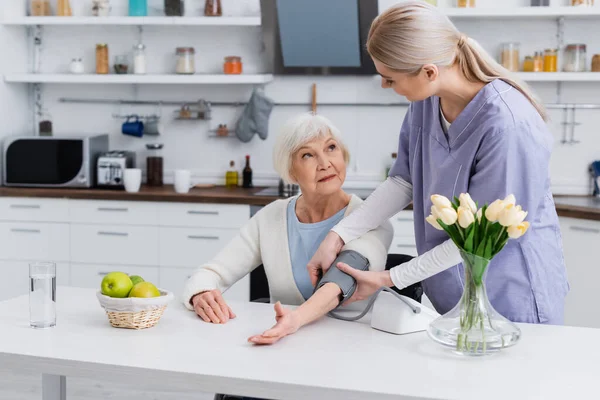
15,280
91,275
33,209
403,223
190,247
114,244
173,279
113,212
34,241
403,245
204,215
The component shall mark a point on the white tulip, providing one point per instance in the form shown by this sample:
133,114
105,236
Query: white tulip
435,212
465,217
516,231
493,210
511,215
467,202
440,201
433,221
510,199
479,214
448,215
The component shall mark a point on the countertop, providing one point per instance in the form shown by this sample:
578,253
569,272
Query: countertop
550,362
583,207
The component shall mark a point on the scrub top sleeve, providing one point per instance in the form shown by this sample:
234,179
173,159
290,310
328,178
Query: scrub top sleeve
511,162
401,167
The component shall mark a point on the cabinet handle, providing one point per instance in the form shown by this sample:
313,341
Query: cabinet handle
120,209
35,206
194,212
407,246
584,229
106,273
404,219
104,233
22,230
203,237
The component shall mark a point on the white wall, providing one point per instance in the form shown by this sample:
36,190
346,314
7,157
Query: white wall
371,132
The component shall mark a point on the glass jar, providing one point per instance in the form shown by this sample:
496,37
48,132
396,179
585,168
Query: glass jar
528,64
550,60
465,3
185,60
575,58
63,8
138,8
232,65
39,8
154,164
102,58
596,63
509,57
121,65
174,8
139,59
101,8
538,62
582,2
212,8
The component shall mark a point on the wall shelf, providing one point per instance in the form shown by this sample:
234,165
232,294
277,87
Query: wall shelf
135,21
522,12
205,79
559,76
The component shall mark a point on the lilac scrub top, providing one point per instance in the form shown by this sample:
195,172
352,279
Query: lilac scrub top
498,145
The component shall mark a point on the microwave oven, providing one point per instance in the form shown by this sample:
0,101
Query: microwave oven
52,161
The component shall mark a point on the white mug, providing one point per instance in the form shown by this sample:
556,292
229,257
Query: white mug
183,180
132,178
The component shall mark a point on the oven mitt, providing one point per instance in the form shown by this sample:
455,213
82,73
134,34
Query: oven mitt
255,117
245,127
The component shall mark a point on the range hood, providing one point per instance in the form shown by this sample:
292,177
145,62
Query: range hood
318,37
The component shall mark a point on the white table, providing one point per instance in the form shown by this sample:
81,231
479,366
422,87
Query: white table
330,359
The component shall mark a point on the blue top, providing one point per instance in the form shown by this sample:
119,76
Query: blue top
498,145
304,240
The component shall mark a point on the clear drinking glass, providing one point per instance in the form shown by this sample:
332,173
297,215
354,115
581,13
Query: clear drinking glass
42,294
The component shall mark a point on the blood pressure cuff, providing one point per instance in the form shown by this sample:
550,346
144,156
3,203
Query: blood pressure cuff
346,283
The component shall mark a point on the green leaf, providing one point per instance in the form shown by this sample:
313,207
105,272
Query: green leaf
469,238
488,248
480,248
452,232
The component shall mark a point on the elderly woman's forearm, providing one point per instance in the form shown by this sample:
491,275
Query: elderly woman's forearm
319,304
376,209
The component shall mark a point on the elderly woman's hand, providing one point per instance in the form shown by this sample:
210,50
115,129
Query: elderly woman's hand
324,256
287,323
211,307
368,282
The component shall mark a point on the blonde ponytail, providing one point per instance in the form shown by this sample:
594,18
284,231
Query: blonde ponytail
414,33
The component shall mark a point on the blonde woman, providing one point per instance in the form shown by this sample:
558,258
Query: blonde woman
472,127
284,235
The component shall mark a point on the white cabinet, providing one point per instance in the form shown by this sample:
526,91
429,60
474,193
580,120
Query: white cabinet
581,239
190,247
33,209
231,216
404,234
15,278
34,241
113,212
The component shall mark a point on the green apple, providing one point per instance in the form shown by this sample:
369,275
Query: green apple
116,284
144,289
136,279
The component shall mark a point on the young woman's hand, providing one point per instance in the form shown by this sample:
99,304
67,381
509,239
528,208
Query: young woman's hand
287,323
211,307
324,256
368,282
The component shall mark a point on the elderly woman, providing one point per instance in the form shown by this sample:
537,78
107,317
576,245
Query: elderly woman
284,235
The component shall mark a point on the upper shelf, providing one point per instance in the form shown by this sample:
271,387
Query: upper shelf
177,21
517,12
141,79
559,76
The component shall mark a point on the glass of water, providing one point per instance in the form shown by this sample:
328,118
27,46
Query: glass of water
42,294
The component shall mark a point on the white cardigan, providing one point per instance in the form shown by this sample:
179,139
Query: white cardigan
264,240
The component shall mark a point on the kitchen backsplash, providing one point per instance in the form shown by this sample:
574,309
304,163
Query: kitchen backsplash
370,132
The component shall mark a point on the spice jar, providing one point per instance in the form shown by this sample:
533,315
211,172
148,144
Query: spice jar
174,8
596,63
76,66
185,60
538,62
154,165
102,58
232,65
121,65
582,2
509,58
465,3
550,60
575,58
139,59
212,8
39,8
528,64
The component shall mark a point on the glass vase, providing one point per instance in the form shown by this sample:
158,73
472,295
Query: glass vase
473,327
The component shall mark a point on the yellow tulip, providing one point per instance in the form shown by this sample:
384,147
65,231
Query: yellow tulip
433,221
467,202
448,215
516,231
440,201
465,217
493,210
511,215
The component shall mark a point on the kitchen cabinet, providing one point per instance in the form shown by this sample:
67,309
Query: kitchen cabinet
15,278
580,238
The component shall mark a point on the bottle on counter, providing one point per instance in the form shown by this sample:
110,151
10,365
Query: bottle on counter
247,174
231,176
154,165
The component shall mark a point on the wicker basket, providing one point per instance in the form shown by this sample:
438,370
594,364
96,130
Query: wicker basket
135,312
